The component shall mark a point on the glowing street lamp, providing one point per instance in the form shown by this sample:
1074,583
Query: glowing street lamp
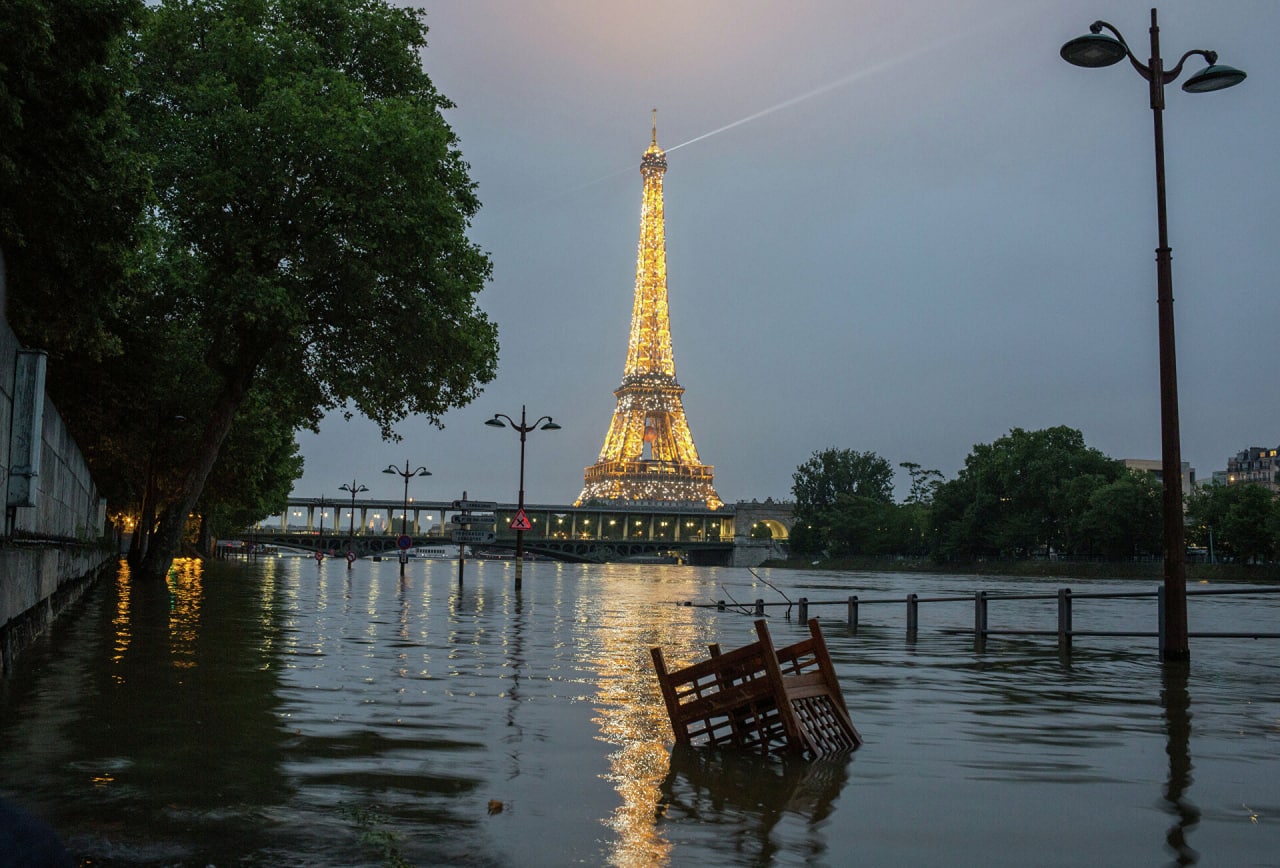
1096,49
524,429
404,516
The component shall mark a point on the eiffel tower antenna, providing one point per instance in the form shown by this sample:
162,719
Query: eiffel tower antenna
648,452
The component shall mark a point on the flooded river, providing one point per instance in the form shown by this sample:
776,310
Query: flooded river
288,713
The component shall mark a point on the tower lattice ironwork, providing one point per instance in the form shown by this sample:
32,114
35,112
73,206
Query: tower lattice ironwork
648,454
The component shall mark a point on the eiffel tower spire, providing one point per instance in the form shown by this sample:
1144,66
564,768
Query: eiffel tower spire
648,453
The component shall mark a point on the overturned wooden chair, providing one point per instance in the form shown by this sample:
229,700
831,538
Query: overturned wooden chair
783,701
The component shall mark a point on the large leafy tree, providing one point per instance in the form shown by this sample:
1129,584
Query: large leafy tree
309,224
831,472
1239,521
71,185
1019,495
839,496
1121,519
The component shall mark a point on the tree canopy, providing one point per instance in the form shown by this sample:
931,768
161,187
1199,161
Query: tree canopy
831,472
303,246
1239,522
71,184
1021,495
841,496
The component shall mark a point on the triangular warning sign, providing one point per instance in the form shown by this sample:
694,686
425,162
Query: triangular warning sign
521,521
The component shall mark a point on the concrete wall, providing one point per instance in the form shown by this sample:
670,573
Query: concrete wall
52,551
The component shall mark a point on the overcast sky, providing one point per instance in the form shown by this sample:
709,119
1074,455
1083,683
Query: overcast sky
897,226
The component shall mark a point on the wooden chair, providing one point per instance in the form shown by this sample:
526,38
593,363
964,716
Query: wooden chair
782,701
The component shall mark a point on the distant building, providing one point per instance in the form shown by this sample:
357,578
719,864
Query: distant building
1156,469
1257,465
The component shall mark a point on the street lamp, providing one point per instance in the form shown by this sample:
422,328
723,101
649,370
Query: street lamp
1096,49
354,489
496,422
404,516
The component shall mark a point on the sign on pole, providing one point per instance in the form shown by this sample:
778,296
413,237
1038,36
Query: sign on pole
472,519
521,521
474,536
475,505
404,541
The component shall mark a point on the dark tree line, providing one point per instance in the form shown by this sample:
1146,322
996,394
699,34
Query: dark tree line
1027,494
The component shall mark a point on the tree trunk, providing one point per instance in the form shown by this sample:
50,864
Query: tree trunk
205,539
146,516
166,541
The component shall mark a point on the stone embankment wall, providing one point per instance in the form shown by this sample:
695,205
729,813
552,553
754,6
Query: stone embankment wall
52,551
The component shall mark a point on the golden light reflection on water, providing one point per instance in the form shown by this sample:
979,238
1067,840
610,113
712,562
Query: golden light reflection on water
632,717
186,594
186,585
122,634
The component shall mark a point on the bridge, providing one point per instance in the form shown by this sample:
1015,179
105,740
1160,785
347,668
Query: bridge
729,536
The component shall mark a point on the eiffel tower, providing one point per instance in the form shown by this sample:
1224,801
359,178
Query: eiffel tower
648,454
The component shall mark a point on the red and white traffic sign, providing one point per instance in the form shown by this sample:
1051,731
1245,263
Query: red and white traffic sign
521,521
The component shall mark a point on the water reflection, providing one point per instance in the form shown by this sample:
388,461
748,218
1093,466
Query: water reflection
745,804
631,714
244,714
1176,701
160,735
515,664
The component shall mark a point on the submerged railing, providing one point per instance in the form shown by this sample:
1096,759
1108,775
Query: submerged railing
982,601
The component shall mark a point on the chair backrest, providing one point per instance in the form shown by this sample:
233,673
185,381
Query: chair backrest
781,701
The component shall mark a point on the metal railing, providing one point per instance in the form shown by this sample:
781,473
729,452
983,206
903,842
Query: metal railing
982,601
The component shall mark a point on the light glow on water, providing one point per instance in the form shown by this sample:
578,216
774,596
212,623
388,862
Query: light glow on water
289,712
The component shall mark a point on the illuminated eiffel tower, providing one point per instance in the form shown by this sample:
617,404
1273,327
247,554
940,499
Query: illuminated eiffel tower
648,454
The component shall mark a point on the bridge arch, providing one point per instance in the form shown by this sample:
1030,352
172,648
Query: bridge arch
773,514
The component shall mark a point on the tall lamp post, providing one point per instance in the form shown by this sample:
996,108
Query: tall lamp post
1096,49
404,516
354,489
524,430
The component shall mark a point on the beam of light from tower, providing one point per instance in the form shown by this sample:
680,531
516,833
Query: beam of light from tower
843,81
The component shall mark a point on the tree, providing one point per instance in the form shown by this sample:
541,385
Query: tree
806,538
309,223
832,472
71,186
1122,518
859,525
254,475
924,483
1019,495
841,495
1242,520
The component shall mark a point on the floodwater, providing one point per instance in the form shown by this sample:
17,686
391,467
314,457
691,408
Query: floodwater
288,713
